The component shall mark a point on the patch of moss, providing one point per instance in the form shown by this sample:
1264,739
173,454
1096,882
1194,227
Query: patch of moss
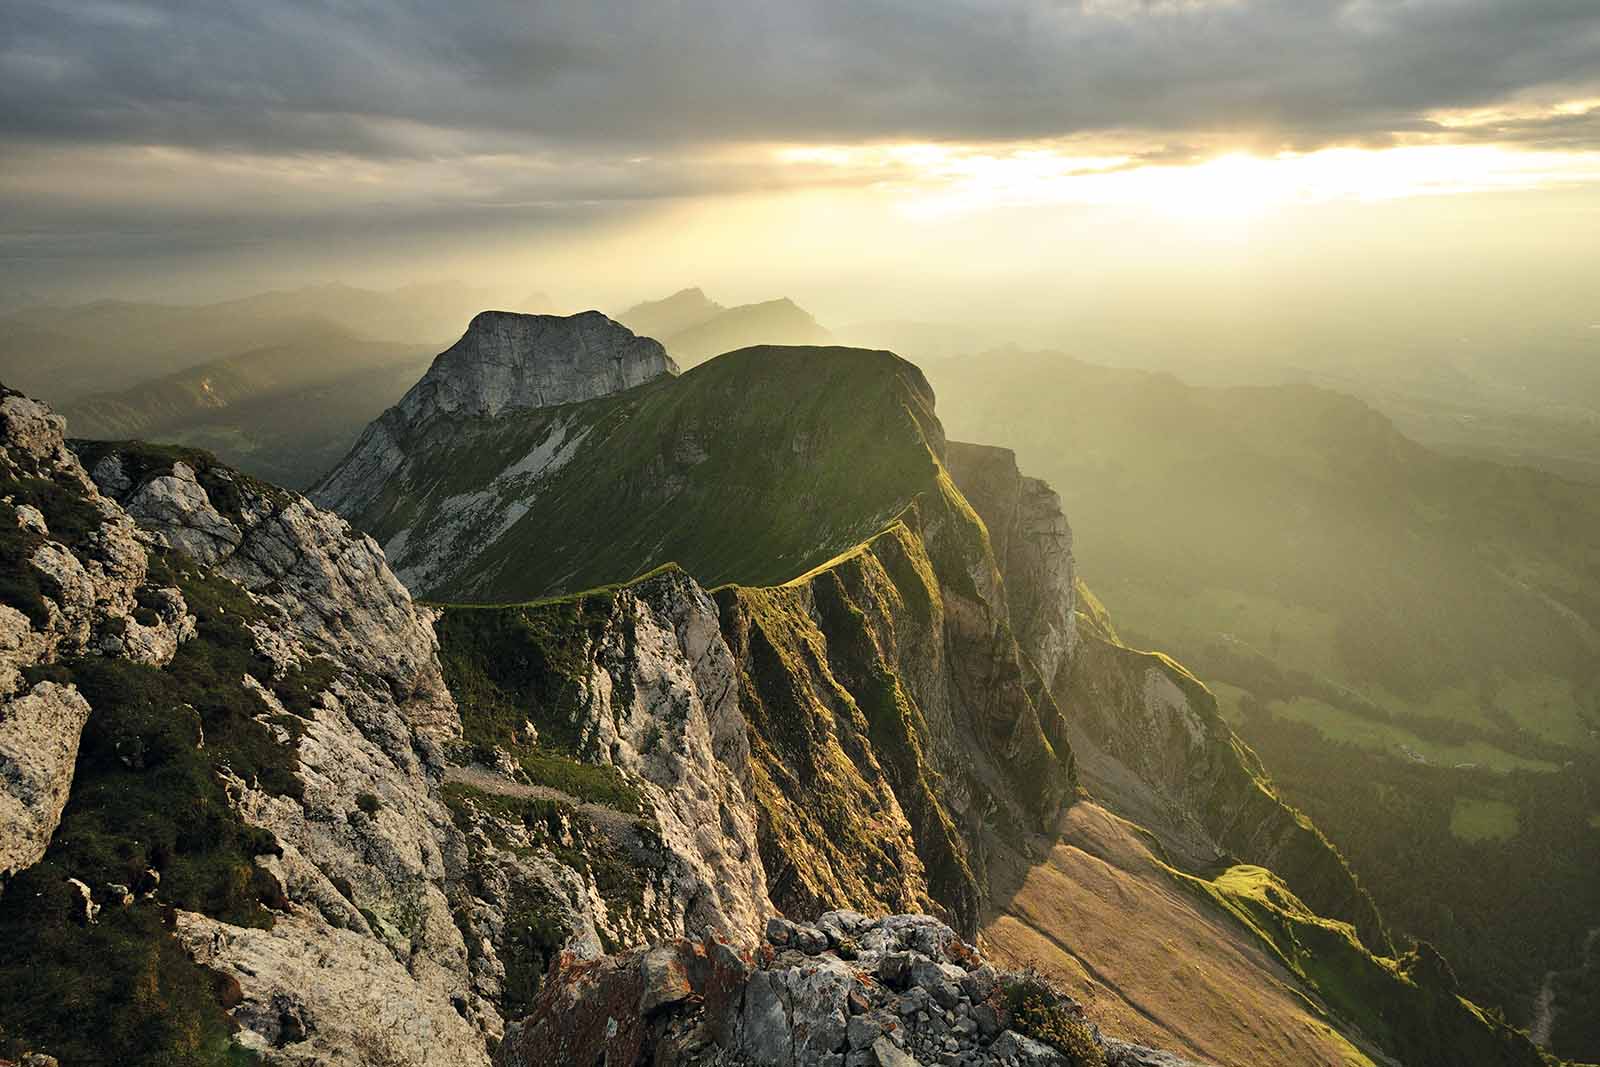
593,783
507,666
528,664
299,687
120,991
67,512
534,933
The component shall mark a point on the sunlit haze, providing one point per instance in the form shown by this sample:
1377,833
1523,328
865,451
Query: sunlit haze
875,164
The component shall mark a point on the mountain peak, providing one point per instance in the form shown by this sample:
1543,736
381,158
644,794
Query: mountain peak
507,360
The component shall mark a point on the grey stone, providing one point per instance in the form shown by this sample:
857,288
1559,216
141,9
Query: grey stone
863,1030
666,982
888,1054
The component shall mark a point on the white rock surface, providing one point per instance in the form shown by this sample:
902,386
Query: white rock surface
39,734
317,995
507,360
504,362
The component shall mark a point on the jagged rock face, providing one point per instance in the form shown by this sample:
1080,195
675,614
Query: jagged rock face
68,591
1032,546
650,692
39,734
506,360
892,725
848,991
366,893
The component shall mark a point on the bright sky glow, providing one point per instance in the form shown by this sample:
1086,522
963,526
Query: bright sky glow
934,181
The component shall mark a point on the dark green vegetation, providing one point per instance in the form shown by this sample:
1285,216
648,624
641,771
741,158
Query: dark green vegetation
796,454
146,796
1289,545
1398,816
519,665
70,520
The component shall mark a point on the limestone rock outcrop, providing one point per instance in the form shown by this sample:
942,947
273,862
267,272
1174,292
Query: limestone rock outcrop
661,847
39,734
506,360
846,991
74,574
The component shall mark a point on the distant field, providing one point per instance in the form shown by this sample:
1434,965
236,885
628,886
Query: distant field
1475,819
1336,724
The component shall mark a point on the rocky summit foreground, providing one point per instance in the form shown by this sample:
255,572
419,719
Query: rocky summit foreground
845,991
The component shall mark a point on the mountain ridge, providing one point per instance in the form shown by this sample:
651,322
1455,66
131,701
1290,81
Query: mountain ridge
875,708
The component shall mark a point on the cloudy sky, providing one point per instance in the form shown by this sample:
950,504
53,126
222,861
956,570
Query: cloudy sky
143,142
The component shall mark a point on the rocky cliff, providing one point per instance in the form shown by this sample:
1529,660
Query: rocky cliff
504,362
274,829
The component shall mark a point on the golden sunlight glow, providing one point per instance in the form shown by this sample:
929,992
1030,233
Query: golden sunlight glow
933,181
1470,118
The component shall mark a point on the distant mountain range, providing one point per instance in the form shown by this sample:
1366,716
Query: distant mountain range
694,328
287,411
62,353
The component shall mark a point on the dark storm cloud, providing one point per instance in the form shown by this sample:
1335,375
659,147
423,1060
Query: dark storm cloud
414,79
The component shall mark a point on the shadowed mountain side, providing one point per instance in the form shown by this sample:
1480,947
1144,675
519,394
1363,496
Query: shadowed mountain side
775,322
62,354
1408,640
285,412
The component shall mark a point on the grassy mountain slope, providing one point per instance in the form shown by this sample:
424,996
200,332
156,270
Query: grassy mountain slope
626,483
1402,635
